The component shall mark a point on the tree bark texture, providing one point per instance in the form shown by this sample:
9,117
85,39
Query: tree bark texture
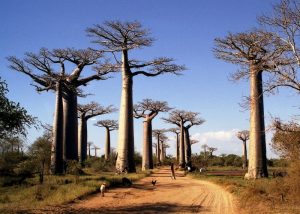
107,144
245,159
177,147
57,140
70,136
187,145
182,152
125,158
257,148
147,160
82,145
162,152
158,150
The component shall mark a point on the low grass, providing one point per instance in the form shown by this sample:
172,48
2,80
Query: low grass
57,190
268,195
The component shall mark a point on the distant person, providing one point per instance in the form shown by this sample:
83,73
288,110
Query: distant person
172,171
102,189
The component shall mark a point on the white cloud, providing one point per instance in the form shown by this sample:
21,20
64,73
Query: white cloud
225,141
207,137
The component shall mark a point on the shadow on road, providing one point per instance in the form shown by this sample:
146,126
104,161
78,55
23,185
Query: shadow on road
141,208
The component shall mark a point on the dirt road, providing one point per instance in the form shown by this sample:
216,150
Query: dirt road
183,195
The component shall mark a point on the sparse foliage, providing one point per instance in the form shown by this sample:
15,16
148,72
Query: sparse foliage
122,37
256,51
244,136
148,109
109,125
185,120
86,112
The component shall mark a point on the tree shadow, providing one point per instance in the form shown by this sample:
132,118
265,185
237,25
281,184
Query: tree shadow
143,208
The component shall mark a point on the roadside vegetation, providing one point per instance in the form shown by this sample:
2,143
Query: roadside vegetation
25,182
280,193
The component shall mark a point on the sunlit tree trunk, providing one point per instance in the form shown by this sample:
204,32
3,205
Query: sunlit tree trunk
147,161
107,144
82,145
162,152
57,140
187,145
177,147
70,136
125,158
89,145
158,150
257,148
181,152
245,158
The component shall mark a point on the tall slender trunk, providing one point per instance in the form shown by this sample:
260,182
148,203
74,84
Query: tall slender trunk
181,152
82,141
177,147
125,158
257,148
187,145
162,152
107,144
245,164
89,150
70,136
158,150
147,160
57,166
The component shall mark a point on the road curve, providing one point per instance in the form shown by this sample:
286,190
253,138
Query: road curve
183,195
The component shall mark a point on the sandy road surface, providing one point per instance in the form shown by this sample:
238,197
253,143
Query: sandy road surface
183,195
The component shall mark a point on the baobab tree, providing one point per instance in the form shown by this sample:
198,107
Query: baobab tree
109,125
48,69
158,133
284,23
185,120
256,52
96,148
205,149
163,143
211,150
89,144
154,145
148,109
86,112
177,132
244,136
165,147
122,37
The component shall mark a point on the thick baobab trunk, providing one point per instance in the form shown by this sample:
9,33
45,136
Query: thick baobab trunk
245,159
57,140
158,151
162,152
187,145
89,150
181,150
107,144
82,141
70,142
177,147
257,148
147,161
125,158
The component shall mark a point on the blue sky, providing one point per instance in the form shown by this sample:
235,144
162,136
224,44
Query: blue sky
184,30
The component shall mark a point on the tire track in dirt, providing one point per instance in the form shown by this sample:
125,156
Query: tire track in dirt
183,195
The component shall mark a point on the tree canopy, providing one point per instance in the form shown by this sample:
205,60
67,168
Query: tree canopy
14,119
